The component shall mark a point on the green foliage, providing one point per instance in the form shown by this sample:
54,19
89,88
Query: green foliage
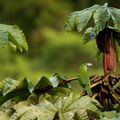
101,15
80,18
13,36
65,108
10,88
49,99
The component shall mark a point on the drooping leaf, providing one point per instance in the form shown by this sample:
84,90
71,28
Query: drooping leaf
71,21
53,85
12,34
3,38
101,16
43,85
84,16
80,18
14,89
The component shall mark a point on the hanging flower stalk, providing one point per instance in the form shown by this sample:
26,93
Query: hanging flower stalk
106,45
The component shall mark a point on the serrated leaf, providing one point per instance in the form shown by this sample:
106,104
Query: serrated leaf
13,89
3,38
84,16
101,16
80,18
12,34
11,85
71,21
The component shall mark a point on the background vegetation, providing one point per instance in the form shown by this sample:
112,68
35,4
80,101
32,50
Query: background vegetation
51,48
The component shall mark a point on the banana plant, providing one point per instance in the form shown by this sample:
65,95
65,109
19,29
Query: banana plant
106,32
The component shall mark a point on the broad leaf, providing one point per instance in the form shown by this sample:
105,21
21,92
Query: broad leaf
101,16
71,21
43,111
43,85
13,89
84,16
53,85
80,18
14,35
69,107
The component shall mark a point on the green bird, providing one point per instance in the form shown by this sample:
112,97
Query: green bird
83,78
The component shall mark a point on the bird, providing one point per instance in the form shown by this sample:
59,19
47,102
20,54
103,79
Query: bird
83,78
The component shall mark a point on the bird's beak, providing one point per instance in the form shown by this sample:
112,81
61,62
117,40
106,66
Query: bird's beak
88,64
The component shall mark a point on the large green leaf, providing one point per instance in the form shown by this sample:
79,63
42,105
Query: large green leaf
80,18
12,34
13,89
84,16
101,16
71,21
53,85
69,107
43,111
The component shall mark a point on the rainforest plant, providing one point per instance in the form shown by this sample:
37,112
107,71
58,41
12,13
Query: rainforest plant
53,98
106,32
